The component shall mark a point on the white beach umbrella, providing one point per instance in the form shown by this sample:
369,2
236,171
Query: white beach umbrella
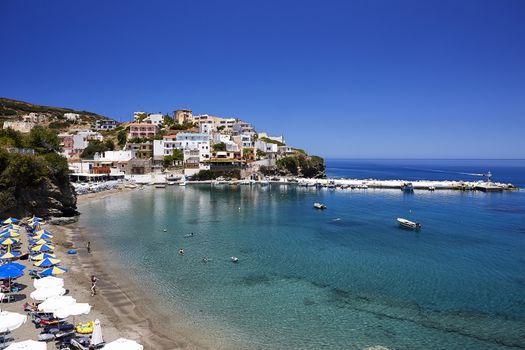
10,321
48,292
73,310
27,345
49,281
96,336
55,303
123,344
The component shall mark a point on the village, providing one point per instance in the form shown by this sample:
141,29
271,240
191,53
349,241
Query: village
180,145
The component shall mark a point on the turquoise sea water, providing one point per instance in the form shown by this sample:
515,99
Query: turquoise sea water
344,278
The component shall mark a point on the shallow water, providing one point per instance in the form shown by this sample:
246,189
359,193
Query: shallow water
347,277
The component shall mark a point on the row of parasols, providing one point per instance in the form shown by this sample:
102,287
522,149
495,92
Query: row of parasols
49,290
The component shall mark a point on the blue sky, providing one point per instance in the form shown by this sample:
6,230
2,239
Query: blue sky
374,78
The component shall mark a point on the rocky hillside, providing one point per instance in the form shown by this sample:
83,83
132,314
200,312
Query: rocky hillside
300,165
35,182
14,110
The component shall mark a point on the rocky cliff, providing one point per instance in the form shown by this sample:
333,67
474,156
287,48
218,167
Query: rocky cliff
298,165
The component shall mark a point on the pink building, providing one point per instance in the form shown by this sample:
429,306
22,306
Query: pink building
142,130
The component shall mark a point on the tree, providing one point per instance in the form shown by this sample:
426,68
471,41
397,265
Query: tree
24,170
57,165
219,147
178,154
122,137
94,146
110,145
43,140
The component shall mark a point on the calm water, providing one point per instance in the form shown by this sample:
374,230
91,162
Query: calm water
344,278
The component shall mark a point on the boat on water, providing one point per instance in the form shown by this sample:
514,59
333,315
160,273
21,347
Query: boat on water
409,224
431,188
407,187
160,185
130,186
234,259
319,206
171,183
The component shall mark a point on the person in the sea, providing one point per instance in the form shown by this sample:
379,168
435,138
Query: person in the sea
94,281
88,247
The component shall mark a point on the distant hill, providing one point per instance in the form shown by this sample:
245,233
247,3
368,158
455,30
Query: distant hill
11,109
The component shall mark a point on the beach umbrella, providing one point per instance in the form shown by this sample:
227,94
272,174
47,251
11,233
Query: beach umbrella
9,241
8,272
54,303
10,321
28,345
10,221
43,232
11,227
43,256
43,236
47,262
48,282
46,293
9,234
96,336
13,265
41,242
55,270
123,344
9,255
43,248
72,310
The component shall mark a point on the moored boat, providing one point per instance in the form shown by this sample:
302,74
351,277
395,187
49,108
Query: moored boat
409,224
407,187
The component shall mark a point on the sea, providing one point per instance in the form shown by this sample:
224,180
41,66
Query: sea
348,277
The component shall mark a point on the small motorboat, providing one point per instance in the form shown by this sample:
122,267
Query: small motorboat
409,224
234,259
160,185
319,206
407,187
171,182
431,188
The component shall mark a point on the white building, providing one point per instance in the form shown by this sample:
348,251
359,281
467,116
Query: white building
195,147
72,117
219,138
35,118
23,127
266,146
82,138
263,135
155,119
206,127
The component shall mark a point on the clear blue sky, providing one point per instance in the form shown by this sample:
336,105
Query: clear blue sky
371,78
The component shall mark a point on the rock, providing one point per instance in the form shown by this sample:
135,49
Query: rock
63,220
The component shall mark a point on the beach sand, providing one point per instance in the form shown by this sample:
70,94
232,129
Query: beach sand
123,310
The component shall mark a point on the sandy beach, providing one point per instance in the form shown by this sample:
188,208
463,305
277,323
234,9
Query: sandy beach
124,311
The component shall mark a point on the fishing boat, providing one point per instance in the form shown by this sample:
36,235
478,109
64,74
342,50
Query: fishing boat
319,206
409,224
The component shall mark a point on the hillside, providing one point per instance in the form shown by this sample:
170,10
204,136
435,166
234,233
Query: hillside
14,110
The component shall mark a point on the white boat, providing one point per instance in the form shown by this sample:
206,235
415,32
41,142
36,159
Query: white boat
160,185
319,206
431,188
182,181
234,259
171,183
130,186
409,224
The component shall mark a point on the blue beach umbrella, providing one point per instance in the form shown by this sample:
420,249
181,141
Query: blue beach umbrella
52,271
7,271
43,236
43,232
13,266
10,221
